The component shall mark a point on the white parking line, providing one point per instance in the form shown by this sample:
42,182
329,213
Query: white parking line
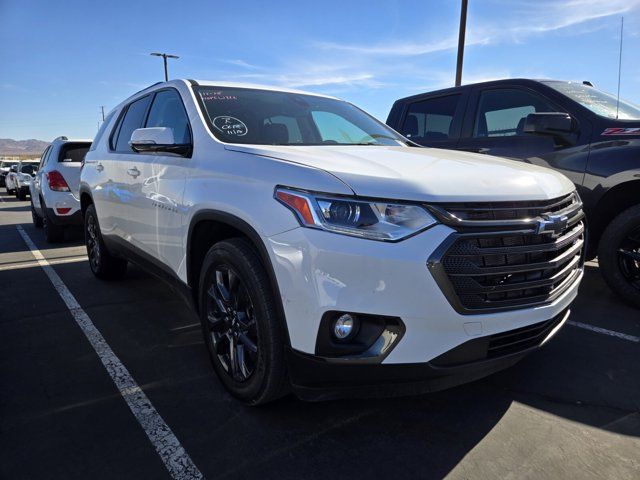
59,261
174,456
604,331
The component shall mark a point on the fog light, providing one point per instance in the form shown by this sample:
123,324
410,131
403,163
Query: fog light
344,326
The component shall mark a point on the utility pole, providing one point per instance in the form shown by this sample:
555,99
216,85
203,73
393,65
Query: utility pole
102,110
164,58
461,35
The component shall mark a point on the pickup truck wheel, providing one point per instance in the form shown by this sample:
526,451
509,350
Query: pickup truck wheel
103,265
52,232
619,255
37,219
240,323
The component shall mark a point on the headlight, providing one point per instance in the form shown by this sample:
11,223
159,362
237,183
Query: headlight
367,219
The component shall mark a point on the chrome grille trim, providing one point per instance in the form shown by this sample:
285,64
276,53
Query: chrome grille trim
490,265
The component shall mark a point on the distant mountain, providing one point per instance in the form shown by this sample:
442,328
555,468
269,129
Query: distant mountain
9,146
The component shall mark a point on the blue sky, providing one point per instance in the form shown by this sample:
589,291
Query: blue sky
61,60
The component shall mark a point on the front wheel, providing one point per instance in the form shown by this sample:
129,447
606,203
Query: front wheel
103,265
240,323
619,255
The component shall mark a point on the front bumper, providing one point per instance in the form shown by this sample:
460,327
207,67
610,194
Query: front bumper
317,379
319,272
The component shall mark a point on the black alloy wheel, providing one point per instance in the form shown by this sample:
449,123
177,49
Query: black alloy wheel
629,257
93,243
232,323
242,328
619,255
103,265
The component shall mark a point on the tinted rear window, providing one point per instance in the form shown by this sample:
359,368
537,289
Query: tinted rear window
73,152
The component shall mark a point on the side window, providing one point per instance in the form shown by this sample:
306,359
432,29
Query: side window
133,119
284,126
430,119
101,131
167,110
45,156
502,113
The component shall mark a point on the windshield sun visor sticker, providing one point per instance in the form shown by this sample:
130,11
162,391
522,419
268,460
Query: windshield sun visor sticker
621,131
230,126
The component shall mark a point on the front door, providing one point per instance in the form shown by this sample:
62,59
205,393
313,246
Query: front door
494,125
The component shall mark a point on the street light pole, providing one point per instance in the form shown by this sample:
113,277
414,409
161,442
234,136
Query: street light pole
461,35
164,59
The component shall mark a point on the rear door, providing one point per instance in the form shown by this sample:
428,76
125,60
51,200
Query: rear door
120,177
434,121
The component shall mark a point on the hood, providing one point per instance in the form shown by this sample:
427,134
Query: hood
423,174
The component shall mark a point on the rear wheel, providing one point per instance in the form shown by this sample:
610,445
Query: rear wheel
21,195
103,265
619,255
240,323
52,232
37,219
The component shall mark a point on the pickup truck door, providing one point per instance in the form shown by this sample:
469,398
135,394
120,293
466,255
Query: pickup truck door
494,124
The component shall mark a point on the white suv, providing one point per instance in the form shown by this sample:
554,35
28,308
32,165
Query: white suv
324,252
55,200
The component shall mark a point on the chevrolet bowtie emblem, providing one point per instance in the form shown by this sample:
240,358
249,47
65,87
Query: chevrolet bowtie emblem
553,224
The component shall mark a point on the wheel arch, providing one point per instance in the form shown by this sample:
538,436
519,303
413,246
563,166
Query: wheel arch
614,201
208,227
85,199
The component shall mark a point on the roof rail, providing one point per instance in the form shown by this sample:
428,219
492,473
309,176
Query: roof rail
145,88
61,137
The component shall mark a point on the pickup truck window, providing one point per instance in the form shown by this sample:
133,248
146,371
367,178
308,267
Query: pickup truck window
502,112
265,117
430,119
597,101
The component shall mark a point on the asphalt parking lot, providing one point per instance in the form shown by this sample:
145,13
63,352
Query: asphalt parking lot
570,410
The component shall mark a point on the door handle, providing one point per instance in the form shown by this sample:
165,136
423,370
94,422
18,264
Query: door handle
476,149
134,172
99,167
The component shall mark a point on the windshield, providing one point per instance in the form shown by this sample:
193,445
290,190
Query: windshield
263,117
597,101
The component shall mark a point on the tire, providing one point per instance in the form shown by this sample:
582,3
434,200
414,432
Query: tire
619,255
247,317
37,219
53,233
103,265
20,195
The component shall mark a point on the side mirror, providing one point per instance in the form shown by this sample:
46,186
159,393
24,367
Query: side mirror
555,124
158,139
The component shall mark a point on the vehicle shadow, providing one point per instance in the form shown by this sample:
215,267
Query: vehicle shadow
588,379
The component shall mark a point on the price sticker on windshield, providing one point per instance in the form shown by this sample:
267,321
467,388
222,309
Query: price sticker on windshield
230,126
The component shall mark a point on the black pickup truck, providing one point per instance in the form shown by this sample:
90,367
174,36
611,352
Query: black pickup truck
574,128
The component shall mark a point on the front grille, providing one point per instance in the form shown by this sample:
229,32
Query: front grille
520,339
507,261
502,344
